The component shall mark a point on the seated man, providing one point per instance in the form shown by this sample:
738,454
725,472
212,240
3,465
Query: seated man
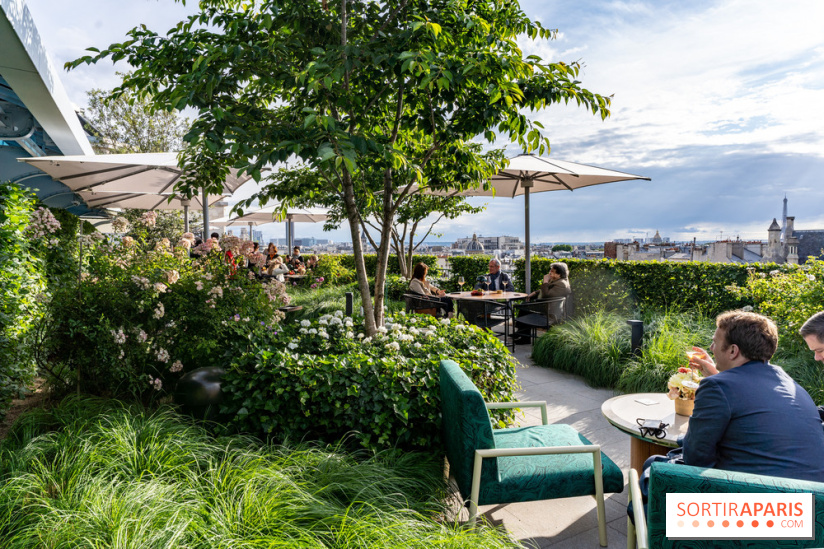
497,279
749,415
555,283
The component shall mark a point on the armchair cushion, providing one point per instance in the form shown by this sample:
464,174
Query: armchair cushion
532,478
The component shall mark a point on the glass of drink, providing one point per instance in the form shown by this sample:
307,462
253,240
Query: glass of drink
461,282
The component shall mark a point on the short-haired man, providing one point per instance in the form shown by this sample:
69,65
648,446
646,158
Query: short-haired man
813,333
497,279
554,284
749,414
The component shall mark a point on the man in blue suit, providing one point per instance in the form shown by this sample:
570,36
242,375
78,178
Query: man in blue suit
749,414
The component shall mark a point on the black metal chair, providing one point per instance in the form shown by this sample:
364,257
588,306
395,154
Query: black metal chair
541,314
423,305
484,314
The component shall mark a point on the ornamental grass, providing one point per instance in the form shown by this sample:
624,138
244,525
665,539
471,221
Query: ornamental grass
98,473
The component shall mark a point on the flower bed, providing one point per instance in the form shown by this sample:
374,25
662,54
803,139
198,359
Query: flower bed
323,379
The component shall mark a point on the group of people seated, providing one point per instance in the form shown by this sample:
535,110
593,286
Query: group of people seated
277,265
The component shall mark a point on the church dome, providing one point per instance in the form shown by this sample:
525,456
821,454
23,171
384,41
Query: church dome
475,247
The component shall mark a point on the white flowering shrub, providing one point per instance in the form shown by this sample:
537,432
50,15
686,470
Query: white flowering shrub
323,379
143,315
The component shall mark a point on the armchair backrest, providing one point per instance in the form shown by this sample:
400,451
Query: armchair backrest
465,423
669,477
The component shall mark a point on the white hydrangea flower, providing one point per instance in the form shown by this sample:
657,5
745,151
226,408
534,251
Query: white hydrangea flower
417,345
313,331
305,323
360,336
338,314
292,345
367,340
446,321
323,321
348,323
382,329
336,321
350,334
393,346
304,331
323,334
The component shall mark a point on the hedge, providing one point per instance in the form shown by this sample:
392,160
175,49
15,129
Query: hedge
611,285
371,260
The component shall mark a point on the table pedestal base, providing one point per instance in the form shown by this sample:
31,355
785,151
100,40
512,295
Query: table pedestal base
640,450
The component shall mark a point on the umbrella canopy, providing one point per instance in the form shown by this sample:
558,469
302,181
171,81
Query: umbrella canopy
143,201
130,174
273,213
154,173
529,173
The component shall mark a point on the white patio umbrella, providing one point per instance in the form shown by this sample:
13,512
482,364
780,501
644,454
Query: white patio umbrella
272,214
140,173
528,173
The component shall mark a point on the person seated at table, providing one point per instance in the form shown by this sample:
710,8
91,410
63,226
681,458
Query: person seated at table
419,285
255,258
497,279
295,259
554,284
311,262
271,254
277,268
749,415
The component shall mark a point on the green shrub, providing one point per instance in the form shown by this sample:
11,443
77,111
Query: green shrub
324,379
470,267
652,286
139,319
23,231
334,273
102,474
371,261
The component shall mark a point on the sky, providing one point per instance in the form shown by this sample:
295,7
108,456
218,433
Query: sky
721,103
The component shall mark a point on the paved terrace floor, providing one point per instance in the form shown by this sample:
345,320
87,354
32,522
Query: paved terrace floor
569,523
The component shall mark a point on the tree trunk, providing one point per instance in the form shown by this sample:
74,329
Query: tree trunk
370,320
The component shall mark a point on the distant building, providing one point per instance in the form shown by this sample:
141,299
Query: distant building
489,243
474,246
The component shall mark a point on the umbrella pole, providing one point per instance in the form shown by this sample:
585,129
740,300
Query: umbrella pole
185,215
205,215
528,267
251,238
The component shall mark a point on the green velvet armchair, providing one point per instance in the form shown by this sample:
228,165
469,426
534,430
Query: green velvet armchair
495,466
650,530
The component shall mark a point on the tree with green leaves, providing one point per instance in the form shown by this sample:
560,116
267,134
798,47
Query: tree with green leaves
562,248
398,87
129,123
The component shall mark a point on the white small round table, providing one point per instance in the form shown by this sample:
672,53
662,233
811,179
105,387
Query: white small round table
622,412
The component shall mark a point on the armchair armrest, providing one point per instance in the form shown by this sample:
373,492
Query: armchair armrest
525,404
636,534
594,449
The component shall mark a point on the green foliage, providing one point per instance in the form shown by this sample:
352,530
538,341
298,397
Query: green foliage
562,248
333,270
324,379
21,283
101,474
129,124
371,261
141,318
789,296
595,346
166,224
667,337
651,286
470,267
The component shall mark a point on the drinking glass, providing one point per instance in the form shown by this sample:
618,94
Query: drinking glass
461,282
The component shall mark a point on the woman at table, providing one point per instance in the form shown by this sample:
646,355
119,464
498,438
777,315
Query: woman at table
419,285
271,254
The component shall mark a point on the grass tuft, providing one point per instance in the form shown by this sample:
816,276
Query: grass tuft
94,473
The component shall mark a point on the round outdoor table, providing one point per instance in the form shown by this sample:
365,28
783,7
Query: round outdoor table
623,411
508,297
